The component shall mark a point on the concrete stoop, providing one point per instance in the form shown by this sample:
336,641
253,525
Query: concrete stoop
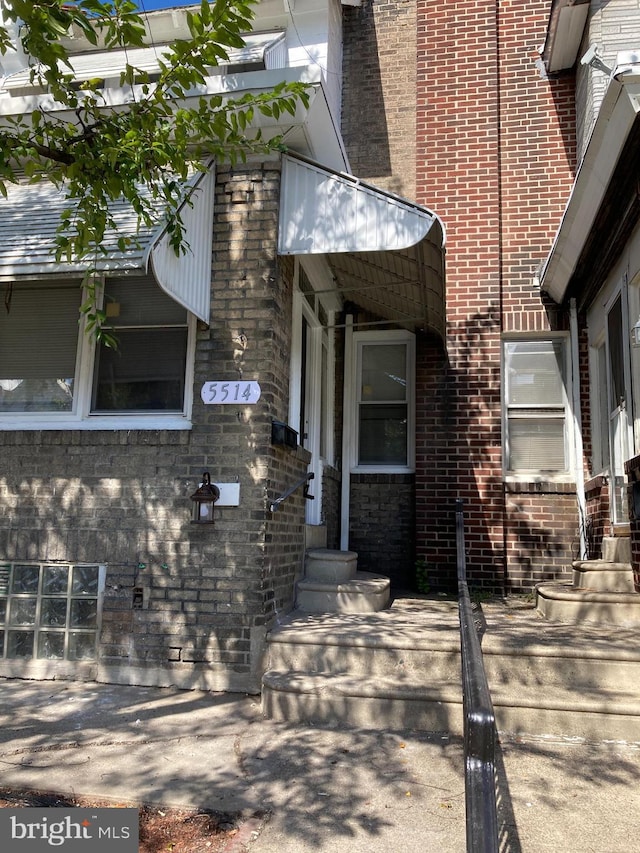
601,591
400,668
333,584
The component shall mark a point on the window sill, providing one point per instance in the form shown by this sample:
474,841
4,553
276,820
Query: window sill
99,422
382,469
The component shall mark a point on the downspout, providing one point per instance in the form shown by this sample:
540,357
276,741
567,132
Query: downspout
347,433
577,427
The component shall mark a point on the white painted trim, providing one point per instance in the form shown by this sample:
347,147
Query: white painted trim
347,433
578,449
351,386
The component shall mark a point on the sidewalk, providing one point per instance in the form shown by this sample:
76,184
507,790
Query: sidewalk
326,790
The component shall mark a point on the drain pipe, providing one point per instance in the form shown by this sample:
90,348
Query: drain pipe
347,433
577,427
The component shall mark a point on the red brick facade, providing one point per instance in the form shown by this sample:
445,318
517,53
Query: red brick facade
495,158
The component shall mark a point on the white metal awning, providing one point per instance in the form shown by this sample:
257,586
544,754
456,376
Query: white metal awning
30,216
261,51
619,112
386,253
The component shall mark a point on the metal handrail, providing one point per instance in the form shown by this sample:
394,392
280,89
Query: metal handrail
273,506
479,719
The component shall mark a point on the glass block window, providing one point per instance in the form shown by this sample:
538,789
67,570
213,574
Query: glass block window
50,611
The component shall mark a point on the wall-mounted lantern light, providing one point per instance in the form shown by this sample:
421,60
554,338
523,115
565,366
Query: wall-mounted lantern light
203,499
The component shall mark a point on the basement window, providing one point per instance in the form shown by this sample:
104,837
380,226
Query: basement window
50,611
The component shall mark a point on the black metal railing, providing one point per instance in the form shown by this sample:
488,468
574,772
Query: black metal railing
273,506
479,719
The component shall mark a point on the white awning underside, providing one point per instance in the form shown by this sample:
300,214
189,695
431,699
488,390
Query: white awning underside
30,216
386,254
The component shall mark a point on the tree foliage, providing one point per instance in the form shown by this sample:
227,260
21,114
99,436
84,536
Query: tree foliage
100,152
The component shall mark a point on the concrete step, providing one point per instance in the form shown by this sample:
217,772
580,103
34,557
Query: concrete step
564,603
594,716
616,549
334,644
365,593
400,668
603,576
367,702
330,566
436,705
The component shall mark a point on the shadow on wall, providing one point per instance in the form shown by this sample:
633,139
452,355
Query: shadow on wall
459,432
364,116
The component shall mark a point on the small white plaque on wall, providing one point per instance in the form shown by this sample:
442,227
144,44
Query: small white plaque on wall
229,494
234,393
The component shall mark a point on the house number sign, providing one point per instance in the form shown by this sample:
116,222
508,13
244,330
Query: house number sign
230,393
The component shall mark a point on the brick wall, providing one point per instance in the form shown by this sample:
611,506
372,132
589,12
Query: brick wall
382,524
542,534
379,93
598,514
122,497
495,154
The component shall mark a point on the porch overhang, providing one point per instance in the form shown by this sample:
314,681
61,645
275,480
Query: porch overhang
386,253
604,204
30,217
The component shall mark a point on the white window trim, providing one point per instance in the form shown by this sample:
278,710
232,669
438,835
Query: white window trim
321,338
351,394
536,475
80,417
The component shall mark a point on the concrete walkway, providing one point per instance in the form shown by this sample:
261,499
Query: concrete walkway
324,790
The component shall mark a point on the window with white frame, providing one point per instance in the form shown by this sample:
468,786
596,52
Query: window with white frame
536,406
50,611
52,373
384,400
